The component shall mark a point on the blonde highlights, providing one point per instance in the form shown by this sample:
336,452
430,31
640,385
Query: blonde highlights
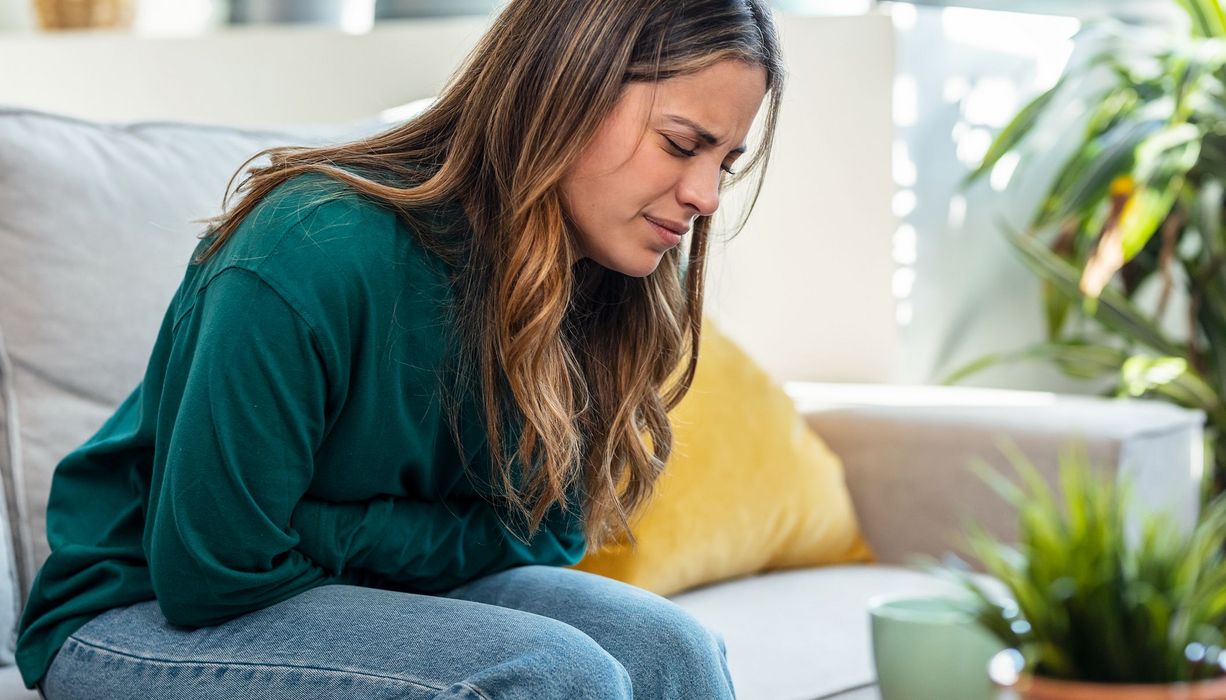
575,358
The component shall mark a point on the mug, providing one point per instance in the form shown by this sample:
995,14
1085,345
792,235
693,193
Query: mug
930,648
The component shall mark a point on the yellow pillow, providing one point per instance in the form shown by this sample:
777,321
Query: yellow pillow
748,488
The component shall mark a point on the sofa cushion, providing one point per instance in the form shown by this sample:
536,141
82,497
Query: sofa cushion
803,633
12,688
10,583
748,487
97,222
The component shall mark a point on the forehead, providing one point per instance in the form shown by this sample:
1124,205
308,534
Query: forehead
723,97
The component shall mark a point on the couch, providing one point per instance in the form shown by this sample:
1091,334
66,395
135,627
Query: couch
96,210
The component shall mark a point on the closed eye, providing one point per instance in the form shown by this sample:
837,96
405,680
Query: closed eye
686,153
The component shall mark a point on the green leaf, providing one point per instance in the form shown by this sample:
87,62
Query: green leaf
1014,132
1207,17
1087,176
1114,106
1162,162
1142,373
1198,87
1114,311
1056,309
1076,358
1004,488
1207,215
1145,210
1171,377
1168,154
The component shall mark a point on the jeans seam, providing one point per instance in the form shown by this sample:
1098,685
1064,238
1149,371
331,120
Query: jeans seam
481,693
356,672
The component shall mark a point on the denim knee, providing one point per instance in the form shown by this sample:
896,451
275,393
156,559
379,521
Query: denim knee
591,665
558,661
679,632
679,657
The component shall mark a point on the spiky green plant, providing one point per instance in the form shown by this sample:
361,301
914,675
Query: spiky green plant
1139,199
1090,601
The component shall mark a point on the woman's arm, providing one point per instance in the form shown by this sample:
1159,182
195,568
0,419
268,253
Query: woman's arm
240,416
424,545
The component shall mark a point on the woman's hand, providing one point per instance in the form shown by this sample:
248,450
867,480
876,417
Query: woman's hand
319,538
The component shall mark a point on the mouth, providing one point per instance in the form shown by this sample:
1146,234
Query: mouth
667,236
670,226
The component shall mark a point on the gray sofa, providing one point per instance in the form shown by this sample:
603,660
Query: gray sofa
95,231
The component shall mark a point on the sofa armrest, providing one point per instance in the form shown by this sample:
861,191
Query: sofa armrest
906,451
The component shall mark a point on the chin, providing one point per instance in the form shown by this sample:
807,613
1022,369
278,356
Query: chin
632,266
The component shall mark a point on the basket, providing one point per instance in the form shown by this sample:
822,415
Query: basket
85,14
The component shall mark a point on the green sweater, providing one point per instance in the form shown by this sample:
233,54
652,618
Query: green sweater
287,434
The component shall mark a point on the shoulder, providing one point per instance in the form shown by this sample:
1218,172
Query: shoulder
342,260
313,219
315,231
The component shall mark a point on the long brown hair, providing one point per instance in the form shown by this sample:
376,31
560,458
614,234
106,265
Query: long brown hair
575,354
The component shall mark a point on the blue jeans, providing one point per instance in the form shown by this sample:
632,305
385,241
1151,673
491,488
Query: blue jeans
531,632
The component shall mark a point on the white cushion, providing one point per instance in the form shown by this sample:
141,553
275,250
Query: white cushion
11,687
802,633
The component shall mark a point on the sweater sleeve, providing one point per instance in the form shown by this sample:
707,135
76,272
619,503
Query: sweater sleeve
241,414
428,546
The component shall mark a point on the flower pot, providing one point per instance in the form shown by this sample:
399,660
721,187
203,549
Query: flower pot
1012,683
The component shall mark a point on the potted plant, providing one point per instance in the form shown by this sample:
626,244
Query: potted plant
1138,204
1100,604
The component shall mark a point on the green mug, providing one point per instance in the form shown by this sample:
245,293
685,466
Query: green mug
930,648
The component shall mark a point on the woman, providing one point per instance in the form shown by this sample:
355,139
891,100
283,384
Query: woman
278,509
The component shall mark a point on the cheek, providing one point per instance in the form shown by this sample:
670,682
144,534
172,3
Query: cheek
647,175
620,175
657,172
615,183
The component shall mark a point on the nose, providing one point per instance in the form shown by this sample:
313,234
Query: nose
699,189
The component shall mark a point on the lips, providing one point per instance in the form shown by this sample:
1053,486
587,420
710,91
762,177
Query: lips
677,228
668,237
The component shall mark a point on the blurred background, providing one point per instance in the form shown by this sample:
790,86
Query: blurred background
1003,194
960,292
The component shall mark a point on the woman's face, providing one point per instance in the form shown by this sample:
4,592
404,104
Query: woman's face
656,165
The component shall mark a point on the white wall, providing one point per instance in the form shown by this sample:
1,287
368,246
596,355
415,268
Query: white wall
962,74
805,288
16,15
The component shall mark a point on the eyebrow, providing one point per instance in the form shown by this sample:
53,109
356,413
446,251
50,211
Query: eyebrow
703,134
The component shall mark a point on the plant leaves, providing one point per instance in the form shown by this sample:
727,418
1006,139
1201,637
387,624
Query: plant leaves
1162,162
1171,377
1087,176
1116,311
1075,357
1207,17
1013,133
1089,601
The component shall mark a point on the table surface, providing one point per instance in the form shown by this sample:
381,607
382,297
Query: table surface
864,692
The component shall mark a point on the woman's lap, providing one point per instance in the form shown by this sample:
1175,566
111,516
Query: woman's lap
522,633
636,626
